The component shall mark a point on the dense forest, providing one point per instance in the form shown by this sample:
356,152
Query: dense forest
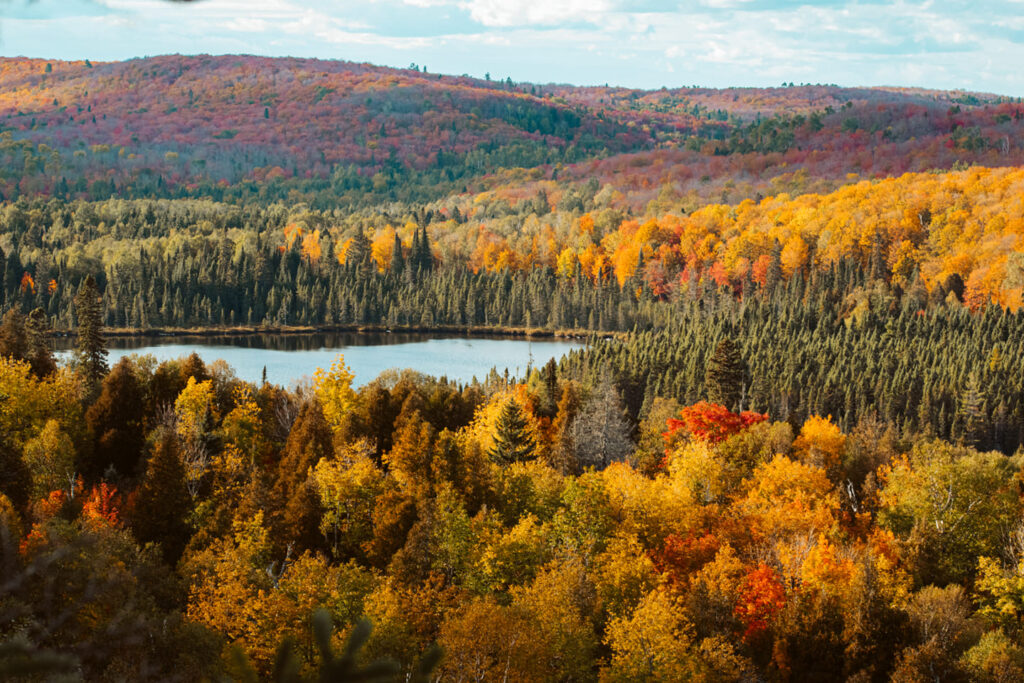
169,520
792,449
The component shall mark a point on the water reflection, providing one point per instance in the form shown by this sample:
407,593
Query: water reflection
287,358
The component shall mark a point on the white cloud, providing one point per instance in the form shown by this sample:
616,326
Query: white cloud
629,42
535,12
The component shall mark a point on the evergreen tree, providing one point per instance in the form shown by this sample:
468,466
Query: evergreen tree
513,441
973,414
92,351
359,251
116,421
726,375
773,276
548,397
37,334
397,257
162,503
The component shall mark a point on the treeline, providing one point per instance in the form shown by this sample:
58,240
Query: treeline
203,264
842,344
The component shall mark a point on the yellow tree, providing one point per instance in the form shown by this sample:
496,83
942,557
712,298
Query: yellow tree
196,412
820,444
333,389
653,643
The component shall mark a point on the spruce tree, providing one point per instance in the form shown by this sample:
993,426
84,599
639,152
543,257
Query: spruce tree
162,503
397,258
973,413
116,421
513,441
37,334
726,375
92,351
773,276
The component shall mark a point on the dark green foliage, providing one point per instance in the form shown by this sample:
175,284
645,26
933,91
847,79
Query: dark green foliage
20,659
92,351
117,422
40,355
513,441
726,375
162,503
974,415
809,353
15,478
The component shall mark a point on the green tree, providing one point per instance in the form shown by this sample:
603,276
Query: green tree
117,420
37,336
50,457
513,441
92,351
162,503
726,375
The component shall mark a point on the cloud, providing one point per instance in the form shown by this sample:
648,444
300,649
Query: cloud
535,12
645,43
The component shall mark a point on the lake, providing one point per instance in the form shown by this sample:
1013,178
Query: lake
290,357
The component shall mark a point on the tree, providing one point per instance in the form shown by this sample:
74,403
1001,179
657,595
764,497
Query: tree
195,415
397,257
334,392
601,431
711,422
162,502
15,476
13,339
726,375
117,421
654,642
51,459
37,334
92,351
513,440
974,415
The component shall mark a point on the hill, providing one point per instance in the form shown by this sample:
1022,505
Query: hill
241,128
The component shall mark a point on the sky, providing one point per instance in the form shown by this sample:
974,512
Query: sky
975,45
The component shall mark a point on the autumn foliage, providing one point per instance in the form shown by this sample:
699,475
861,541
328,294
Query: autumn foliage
712,422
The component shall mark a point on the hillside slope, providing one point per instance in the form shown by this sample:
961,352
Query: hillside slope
177,125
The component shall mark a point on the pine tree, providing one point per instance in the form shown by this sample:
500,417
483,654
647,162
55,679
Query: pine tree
513,441
92,351
726,375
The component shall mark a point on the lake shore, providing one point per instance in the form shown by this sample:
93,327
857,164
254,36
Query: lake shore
246,330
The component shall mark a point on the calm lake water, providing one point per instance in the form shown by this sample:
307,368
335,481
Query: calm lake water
289,358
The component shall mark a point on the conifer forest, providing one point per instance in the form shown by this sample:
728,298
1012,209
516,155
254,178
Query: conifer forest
792,448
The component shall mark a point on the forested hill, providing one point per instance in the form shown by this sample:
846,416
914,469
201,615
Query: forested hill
239,127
